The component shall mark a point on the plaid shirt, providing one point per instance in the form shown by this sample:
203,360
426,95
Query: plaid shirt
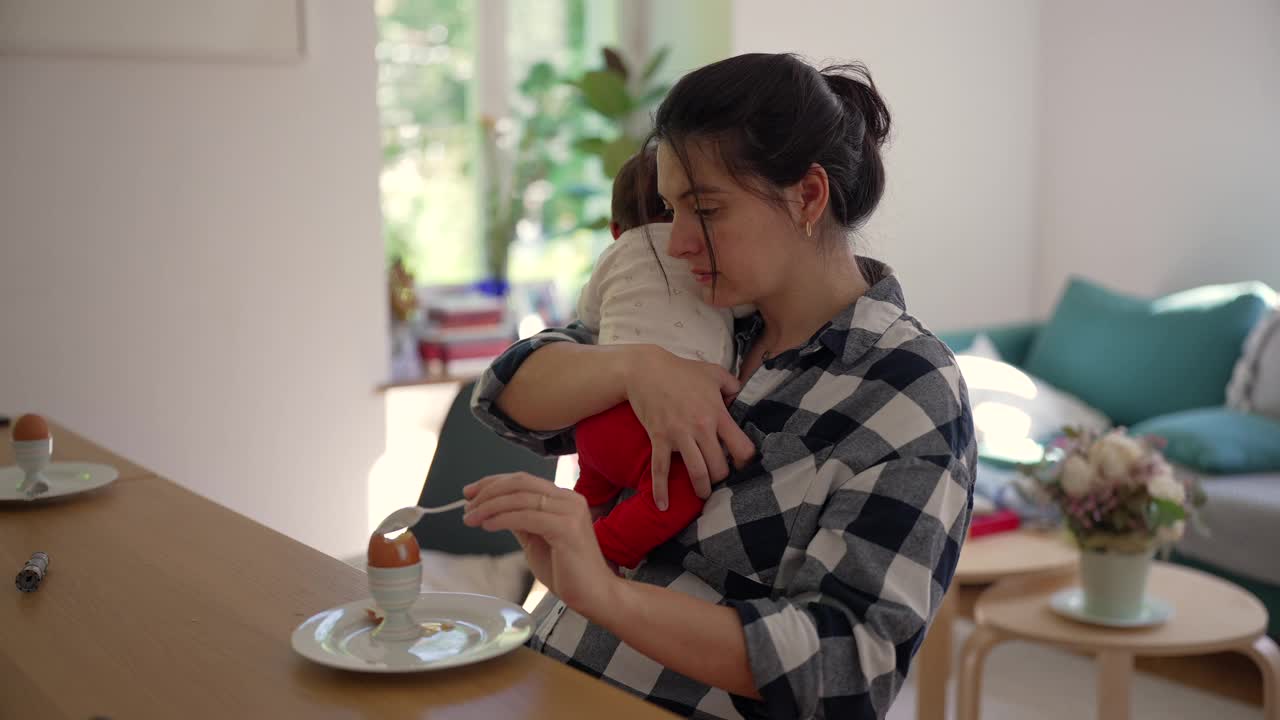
835,546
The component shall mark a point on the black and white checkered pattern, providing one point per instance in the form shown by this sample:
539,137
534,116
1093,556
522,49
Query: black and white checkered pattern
835,546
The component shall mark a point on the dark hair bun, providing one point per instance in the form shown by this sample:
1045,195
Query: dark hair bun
868,119
855,88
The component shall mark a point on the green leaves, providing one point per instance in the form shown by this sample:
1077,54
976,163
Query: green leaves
609,92
654,63
614,62
605,92
616,154
590,145
613,153
541,77
561,123
1162,512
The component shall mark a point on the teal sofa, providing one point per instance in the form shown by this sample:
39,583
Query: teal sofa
1086,344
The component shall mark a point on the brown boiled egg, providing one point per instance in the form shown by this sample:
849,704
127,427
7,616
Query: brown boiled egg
30,427
398,550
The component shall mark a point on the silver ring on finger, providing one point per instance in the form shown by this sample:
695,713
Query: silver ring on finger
542,502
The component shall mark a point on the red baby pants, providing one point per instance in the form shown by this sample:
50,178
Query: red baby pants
613,453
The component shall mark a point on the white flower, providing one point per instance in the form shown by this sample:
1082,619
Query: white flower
1115,454
1163,484
1077,476
1171,533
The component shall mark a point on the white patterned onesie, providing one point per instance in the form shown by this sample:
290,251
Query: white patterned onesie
627,300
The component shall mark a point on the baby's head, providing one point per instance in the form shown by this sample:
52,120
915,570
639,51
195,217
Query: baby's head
635,194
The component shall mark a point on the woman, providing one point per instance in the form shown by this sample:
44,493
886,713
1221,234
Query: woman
808,582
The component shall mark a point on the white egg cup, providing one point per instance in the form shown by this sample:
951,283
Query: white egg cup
395,590
33,457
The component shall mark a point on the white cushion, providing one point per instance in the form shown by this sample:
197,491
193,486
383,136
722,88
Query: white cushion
983,347
1014,411
1255,383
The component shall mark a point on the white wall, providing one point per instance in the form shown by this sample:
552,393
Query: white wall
958,219
191,270
1161,166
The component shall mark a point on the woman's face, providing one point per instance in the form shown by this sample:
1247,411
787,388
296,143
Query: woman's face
754,240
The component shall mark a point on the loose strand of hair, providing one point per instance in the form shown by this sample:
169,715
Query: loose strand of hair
681,149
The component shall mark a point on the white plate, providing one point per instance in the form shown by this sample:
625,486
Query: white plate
1070,603
483,627
65,478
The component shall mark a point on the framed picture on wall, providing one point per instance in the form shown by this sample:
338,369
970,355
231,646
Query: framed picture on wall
200,30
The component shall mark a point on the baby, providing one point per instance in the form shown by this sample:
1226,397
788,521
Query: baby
640,294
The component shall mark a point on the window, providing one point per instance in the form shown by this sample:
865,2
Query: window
438,64
426,65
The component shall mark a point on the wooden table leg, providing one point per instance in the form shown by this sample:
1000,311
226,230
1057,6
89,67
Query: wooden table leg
933,662
972,658
1115,679
1264,652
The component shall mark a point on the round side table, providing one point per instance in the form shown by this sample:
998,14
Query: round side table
983,561
1210,615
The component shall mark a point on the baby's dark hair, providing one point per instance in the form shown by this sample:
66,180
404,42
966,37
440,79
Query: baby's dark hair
771,116
635,191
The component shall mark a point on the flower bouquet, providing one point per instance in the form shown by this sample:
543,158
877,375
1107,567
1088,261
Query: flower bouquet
1121,501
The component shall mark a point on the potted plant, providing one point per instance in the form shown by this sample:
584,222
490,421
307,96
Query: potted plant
600,113
623,99
516,154
1121,501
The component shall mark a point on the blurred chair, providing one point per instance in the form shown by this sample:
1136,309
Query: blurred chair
468,451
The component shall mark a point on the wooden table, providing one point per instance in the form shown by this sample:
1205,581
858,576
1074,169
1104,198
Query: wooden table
982,561
162,604
1210,615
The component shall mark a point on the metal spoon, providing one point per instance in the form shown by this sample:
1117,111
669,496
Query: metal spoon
409,516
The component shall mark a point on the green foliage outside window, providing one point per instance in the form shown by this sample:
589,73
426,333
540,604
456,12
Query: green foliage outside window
426,65
467,198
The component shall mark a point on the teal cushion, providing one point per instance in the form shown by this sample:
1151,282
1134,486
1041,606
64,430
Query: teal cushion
1217,440
1135,359
1013,341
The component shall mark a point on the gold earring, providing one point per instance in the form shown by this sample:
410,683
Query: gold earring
808,228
